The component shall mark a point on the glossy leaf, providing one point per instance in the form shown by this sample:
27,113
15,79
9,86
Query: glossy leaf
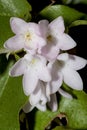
39,120
15,8
74,1
12,99
78,22
75,110
61,128
69,14
5,31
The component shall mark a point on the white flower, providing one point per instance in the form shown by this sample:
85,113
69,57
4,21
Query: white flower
69,64
56,38
40,100
33,69
27,36
37,98
65,70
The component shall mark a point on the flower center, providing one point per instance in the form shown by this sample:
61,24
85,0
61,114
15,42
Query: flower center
33,61
49,38
27,36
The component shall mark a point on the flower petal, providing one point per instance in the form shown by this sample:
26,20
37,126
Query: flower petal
53,102
57,26
43,24
72,78
43,73
65,94
36,95
76,62
66,42
35,43
34,28
50,51
43,95
41,107
57,78
63,57
54,85
14,43
30,81
17,25
18,68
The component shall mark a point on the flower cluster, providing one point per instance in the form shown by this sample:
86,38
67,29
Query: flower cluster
45,65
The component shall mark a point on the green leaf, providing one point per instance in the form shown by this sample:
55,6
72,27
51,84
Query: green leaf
75,110
15,8
10,8
5,31
12,99
77,23
39,120
61,128
69,14
74,1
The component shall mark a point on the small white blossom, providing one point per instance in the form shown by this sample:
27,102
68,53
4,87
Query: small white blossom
65,70
27,36
44,67
33,69
56,38
40,100
70,65
37,99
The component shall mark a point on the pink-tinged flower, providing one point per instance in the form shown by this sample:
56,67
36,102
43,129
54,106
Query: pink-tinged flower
65,70
56,38
65,94
33,69
37,98
40,100
27,36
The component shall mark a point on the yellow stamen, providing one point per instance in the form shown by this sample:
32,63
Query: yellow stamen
28,36
49,38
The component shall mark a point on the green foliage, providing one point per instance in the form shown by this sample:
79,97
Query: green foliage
75,1
62,128
40,120
77,23
12,99
69,14
15,8
5,31
75,110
